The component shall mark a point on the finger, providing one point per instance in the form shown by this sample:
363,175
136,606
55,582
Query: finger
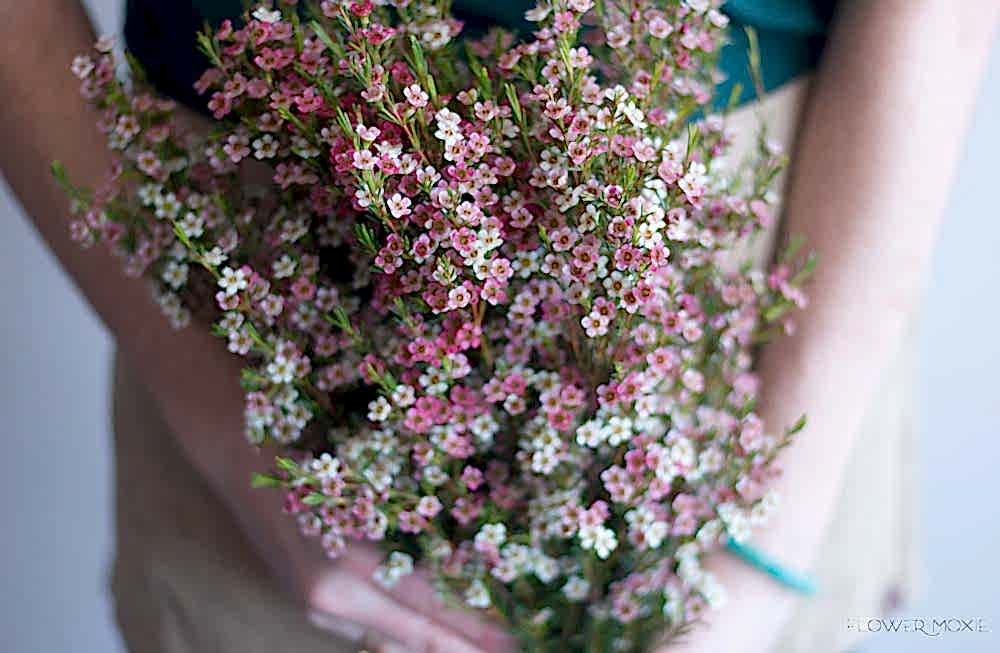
377,643
368,640
347,596
417,593
388,646
349,630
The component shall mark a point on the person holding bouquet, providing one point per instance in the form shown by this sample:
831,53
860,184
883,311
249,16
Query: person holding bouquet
205,563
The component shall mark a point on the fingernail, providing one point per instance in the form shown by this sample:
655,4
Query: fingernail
338,626
393,647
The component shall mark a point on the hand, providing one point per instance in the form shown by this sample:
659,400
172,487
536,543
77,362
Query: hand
342,597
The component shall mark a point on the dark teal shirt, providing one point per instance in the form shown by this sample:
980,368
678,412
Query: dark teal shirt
791,34
161,35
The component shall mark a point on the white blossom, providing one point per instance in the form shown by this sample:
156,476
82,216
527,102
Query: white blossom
265,15
397,566
477,596
233,281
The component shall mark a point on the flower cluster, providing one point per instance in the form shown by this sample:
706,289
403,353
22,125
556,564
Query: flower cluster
482,291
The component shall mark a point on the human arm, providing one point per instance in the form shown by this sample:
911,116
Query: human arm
194,381
879,143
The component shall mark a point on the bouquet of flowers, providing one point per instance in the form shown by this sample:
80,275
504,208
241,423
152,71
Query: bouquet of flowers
483,289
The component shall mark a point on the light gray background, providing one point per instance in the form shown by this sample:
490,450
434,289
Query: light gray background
55,475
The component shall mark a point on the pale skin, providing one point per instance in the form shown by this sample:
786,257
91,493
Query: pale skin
879,144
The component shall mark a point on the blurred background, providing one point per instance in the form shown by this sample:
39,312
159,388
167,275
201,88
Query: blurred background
55,499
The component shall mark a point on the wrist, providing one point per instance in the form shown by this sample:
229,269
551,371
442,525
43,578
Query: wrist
751,619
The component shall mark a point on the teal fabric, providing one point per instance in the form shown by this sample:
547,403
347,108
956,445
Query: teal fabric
791,34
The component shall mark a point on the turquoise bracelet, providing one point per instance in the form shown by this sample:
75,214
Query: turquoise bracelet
759,560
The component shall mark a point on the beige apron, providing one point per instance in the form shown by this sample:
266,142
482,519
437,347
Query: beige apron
185,580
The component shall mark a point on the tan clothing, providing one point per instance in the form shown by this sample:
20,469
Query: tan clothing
868,563
186,581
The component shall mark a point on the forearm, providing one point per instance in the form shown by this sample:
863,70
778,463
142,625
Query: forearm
872,169
872,175
194,380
